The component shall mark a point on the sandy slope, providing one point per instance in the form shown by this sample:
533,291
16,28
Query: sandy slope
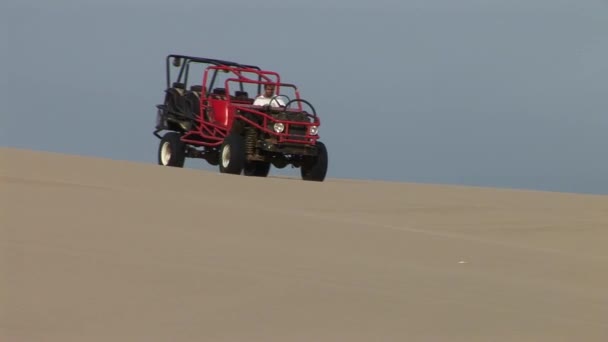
100,250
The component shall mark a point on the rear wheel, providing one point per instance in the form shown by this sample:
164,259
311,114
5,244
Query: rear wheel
232,154
315,168
171,150
257,168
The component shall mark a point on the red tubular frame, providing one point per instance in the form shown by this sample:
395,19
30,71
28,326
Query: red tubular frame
213,134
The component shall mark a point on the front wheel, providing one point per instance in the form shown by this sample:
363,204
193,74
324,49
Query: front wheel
315,168
171,151
232,154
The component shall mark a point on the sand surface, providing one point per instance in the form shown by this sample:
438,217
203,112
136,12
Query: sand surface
101,250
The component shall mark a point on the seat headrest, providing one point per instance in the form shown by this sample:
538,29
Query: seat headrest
239,93
219,91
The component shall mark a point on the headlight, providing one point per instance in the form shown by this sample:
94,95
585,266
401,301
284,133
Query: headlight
279,127
313,130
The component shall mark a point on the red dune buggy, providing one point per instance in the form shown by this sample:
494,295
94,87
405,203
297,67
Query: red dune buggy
210,111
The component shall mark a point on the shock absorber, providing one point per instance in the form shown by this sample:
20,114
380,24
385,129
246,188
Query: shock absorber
250,138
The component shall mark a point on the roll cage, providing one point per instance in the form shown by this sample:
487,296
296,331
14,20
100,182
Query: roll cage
216,97
188,60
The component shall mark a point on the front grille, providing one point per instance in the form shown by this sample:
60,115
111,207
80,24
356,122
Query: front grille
297,132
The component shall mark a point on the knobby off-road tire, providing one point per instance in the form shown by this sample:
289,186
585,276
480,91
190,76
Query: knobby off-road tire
171,150
315,168
232,154
256,168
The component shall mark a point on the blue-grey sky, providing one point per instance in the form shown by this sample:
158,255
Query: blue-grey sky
506,93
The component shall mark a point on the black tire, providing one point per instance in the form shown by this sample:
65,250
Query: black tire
232,154
315,168
192,105
256,168
213,158
171,150
175,102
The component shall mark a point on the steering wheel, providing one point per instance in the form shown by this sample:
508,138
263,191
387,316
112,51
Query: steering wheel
314,113
274,98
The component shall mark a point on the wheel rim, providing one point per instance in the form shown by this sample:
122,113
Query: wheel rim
165,153
226,156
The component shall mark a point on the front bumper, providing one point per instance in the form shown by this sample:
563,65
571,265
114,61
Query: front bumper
288,148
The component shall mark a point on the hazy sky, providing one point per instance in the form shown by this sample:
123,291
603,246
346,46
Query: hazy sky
507,93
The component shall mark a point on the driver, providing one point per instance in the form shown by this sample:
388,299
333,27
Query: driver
265,99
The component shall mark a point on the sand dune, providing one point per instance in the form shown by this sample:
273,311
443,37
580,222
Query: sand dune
103,250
